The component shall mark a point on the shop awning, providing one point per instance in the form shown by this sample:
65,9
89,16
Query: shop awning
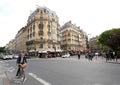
42,51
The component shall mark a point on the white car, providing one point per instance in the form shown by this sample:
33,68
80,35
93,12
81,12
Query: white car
10,56
66,55
15,56
5,57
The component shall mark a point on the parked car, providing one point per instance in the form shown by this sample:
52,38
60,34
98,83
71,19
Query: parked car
15,56
65,55
10,56
5,57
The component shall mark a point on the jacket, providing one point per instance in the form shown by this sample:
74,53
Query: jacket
19,60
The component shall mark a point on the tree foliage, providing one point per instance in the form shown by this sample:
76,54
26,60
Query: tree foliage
114,42
2,49
111,38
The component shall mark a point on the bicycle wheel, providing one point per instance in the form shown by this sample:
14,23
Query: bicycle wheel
22,75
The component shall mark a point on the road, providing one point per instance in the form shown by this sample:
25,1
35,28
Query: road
67,71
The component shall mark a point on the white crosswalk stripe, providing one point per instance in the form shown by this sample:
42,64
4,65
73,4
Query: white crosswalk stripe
39,79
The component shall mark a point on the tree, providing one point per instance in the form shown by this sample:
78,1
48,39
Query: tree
110,38
114,42
2,49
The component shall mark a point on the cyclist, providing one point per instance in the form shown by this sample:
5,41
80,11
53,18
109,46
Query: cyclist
22,62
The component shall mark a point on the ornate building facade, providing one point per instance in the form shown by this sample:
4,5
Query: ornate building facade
43,31
73,38
20,40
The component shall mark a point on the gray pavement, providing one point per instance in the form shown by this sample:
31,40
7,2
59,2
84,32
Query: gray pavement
2,72
66,71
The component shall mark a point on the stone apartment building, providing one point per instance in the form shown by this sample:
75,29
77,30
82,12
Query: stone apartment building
20,40
10,47
42,35
73,38
43,32
93,46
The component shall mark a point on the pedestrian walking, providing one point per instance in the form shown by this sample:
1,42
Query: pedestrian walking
91,55
78,56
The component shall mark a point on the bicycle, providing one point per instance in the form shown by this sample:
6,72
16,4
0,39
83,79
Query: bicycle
21,74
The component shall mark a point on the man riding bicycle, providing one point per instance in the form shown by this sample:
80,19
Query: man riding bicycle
22,62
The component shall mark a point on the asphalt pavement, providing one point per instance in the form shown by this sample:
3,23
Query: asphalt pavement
64,71
2,72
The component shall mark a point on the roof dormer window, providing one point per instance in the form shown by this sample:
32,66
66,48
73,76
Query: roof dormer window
41,12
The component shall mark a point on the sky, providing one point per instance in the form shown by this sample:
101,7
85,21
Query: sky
93,16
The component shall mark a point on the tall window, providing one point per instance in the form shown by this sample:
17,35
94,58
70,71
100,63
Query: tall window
68,33
27,36
30,29
30,35
41,25
33,34
41,45
41,12
48,46
48,26
44,10
34,27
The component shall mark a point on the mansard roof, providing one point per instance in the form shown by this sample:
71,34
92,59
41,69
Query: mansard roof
69,25
46,10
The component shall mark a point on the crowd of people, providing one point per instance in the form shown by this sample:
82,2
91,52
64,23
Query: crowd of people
109,56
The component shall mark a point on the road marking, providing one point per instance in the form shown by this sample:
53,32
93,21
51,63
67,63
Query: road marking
11,69
39,79
24,80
